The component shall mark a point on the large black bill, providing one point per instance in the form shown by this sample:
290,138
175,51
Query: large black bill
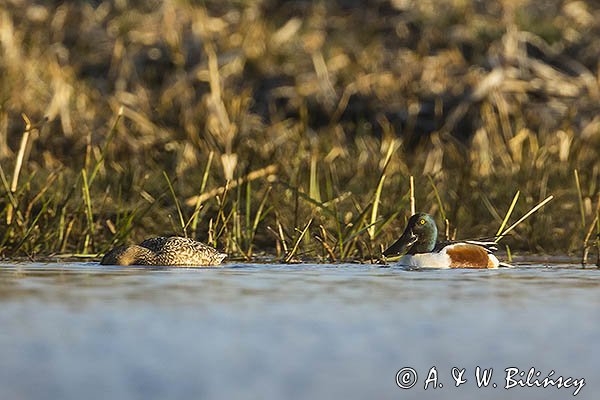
401,245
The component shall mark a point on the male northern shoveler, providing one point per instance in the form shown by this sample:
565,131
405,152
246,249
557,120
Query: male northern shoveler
418,243
164,251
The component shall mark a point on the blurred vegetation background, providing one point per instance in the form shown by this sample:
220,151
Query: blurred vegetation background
291,128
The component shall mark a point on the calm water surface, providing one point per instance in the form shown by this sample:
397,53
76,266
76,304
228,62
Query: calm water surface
82,331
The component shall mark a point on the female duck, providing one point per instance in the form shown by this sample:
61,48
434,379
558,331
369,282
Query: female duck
418,242
164,251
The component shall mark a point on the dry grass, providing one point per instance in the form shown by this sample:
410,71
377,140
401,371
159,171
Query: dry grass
317,114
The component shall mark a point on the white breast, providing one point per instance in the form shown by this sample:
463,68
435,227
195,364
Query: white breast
426,260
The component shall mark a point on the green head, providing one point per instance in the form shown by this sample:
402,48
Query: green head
420,236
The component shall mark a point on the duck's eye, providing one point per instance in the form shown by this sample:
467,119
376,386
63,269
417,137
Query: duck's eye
422,222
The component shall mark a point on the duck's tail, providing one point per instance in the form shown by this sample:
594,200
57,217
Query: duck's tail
219,258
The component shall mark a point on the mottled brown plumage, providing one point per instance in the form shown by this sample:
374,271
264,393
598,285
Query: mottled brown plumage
164,251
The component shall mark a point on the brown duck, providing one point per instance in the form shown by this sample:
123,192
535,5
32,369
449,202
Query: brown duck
164,251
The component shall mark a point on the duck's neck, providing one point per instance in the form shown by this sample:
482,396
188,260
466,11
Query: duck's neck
425,243
129,255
